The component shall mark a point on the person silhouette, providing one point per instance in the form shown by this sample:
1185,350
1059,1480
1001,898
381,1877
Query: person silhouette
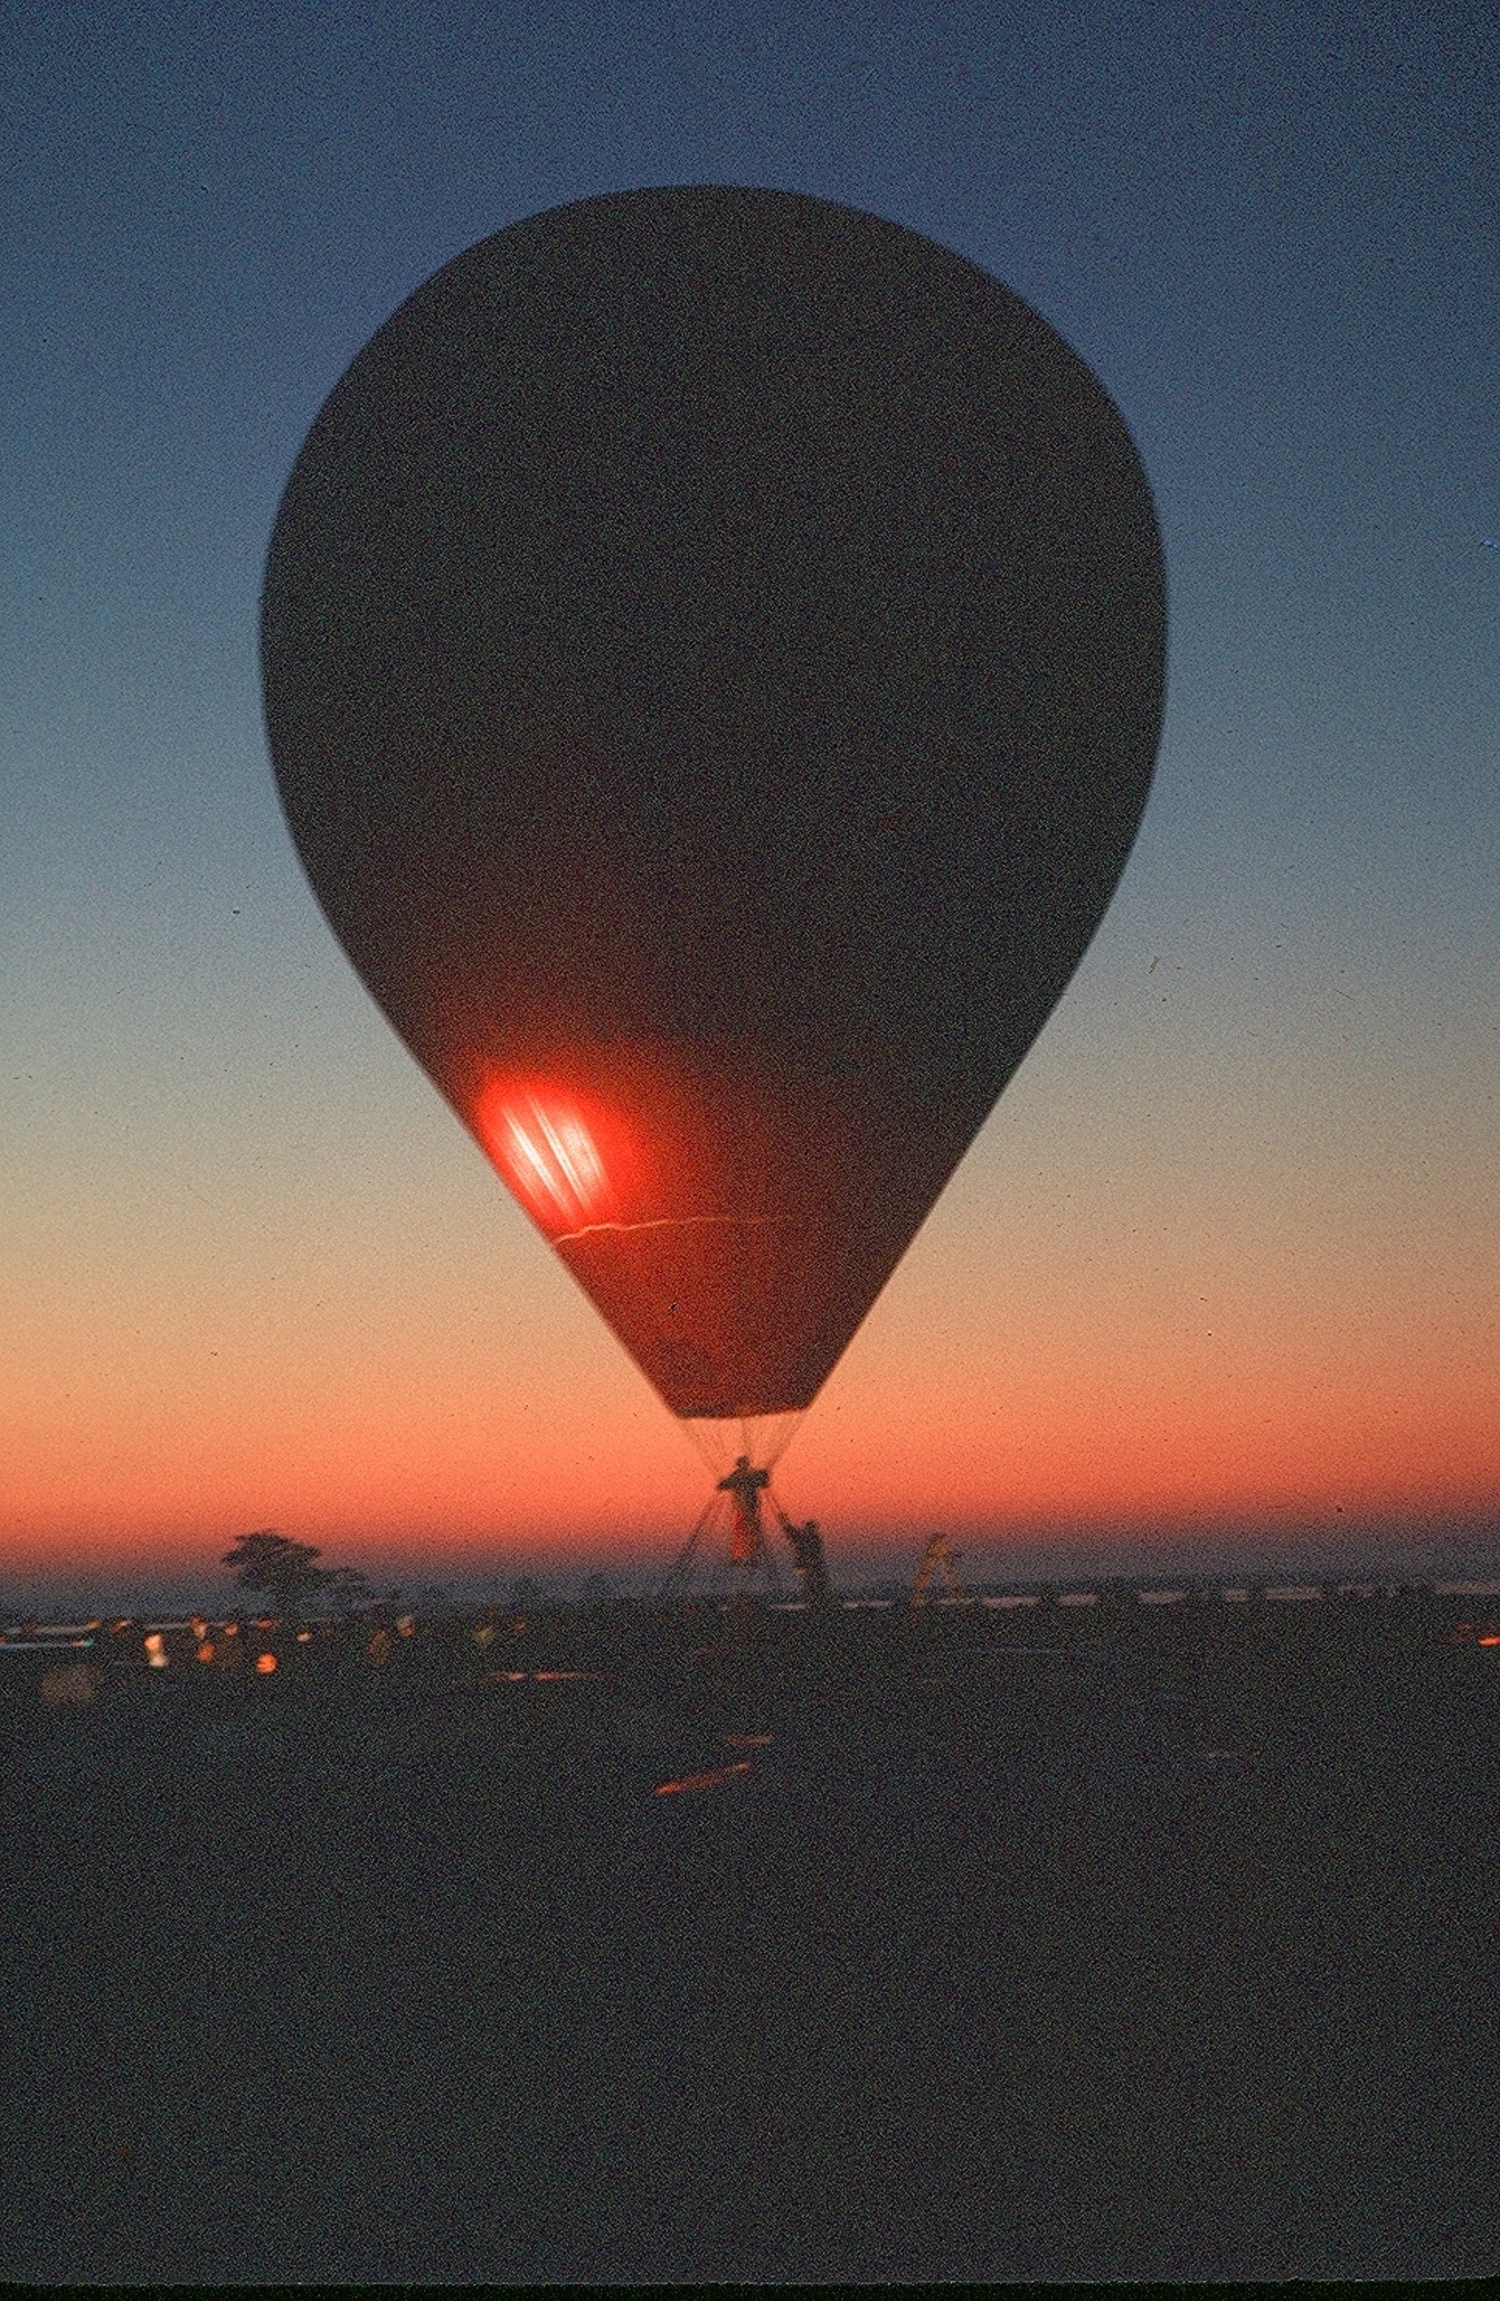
746,1486
807,1556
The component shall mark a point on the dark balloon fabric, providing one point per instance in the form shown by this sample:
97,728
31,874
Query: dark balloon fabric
713,646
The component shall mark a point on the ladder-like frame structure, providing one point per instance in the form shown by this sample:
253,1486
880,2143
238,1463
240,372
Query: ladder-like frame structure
939,1555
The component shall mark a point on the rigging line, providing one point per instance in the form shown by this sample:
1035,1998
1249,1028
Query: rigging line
679,1572
673,1222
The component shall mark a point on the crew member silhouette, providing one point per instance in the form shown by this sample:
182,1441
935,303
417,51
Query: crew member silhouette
747,1487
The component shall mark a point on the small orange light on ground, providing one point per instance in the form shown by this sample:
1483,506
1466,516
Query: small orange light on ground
265,1663
406,1623
205,1650
708,1781
1489,1641
304,1637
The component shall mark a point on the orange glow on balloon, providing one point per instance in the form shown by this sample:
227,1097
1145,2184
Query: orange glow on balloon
563,1164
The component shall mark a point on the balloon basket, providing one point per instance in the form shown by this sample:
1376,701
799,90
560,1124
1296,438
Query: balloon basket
729,1554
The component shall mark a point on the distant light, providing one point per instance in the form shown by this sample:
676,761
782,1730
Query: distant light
707,1781
303,1636
406,1623
156,1650
265,1663
205,1650
1491,1641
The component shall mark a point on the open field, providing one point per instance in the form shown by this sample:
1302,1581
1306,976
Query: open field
1119,1942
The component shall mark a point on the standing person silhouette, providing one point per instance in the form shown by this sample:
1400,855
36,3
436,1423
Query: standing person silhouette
747,1487
807,1556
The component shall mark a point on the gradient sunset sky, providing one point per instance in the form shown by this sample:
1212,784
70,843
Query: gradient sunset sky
1225,1262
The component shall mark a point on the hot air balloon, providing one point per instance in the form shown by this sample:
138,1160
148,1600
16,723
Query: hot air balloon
713,648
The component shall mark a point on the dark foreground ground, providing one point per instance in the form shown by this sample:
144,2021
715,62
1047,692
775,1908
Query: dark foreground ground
987,1968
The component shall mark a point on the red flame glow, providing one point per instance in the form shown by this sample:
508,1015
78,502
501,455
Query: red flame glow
549,1155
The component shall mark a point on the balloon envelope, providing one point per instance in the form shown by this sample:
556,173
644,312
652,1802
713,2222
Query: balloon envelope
713,652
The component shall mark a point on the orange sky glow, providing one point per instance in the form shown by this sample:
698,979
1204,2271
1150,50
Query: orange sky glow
1073,1351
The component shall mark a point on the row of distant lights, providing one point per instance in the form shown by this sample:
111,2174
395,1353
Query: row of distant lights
207,1650
154,1641
380,1646
405,1624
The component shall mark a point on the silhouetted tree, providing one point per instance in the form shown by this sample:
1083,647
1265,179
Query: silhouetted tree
284,1569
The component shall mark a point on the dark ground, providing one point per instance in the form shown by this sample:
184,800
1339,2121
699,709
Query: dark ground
987,1969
